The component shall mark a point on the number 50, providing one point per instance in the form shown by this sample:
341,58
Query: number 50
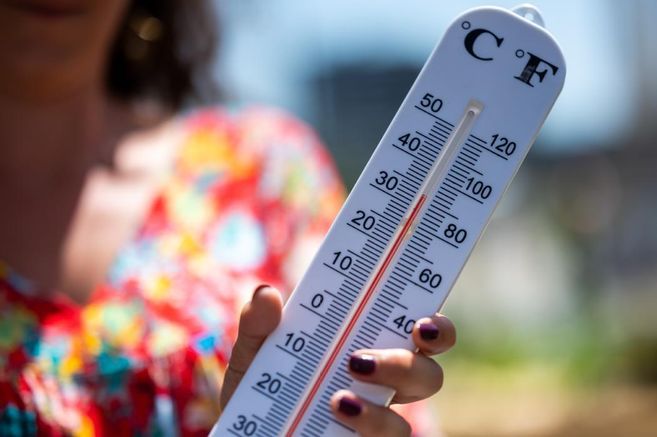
431,102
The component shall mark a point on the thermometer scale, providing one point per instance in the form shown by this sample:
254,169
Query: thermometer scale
409,224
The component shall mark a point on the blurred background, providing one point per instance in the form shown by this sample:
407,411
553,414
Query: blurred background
565,342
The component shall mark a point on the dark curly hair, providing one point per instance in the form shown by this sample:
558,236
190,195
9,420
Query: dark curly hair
163,50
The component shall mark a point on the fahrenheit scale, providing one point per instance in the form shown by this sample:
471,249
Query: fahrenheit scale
410,223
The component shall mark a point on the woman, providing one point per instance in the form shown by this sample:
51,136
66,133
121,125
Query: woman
130,237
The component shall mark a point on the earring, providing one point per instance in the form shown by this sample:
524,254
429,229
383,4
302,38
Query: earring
145,30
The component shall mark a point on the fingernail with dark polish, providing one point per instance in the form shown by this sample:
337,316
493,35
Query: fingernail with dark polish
363,364
429,331
350,407
259,289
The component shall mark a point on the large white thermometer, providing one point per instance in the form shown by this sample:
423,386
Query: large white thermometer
406,231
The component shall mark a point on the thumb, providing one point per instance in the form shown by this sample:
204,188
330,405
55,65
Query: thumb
259,318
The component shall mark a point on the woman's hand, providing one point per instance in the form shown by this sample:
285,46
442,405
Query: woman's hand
259,318
413,375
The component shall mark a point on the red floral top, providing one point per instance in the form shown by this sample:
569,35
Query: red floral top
248,200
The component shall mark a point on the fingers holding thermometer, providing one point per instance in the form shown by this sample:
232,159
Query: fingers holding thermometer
258,319
413,375
434,335
368,419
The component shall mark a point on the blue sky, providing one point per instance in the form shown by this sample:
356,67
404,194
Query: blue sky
271,46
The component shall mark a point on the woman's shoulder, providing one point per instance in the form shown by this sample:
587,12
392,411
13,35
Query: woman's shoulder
255,150
216,136
266,119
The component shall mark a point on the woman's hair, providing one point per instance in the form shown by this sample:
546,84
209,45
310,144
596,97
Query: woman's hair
163,50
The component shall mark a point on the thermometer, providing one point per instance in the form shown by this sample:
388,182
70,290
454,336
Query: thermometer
409,224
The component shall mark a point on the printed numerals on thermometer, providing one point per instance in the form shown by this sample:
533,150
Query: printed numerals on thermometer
410,223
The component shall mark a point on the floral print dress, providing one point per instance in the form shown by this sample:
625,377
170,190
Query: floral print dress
248,200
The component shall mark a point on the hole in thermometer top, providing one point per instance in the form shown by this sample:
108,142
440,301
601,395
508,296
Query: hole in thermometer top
405,232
